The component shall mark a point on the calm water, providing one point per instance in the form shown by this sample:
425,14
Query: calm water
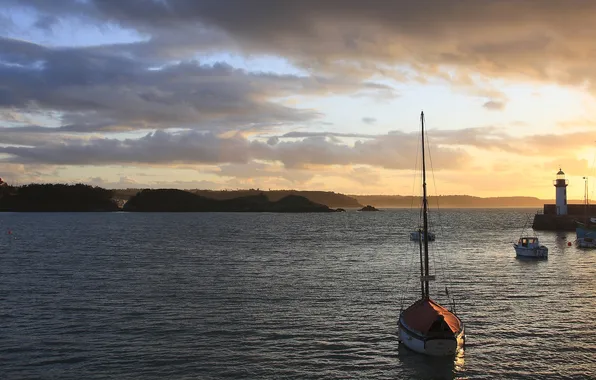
209,296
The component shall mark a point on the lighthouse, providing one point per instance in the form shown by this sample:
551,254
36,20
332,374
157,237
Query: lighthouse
561,185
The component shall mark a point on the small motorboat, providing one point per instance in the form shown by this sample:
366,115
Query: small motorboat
529,246
419,235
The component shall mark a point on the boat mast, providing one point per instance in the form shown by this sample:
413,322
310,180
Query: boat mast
425,213
586,200
421,260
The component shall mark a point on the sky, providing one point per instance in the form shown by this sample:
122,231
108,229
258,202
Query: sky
306,95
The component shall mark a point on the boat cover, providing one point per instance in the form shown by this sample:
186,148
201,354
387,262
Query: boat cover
423,313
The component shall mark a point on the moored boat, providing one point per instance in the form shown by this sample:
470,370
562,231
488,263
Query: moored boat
429,328
586,242
585,230
418,234
529,246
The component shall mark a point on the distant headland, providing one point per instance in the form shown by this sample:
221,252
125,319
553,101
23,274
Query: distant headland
85,198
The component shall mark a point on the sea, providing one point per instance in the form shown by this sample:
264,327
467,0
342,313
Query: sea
285,296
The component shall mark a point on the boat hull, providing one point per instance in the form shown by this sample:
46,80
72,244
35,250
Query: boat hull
586,242
582,232
535,252
432,346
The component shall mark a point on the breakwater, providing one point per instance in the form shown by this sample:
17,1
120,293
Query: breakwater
550,221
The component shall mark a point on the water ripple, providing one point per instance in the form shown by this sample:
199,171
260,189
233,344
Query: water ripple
211,296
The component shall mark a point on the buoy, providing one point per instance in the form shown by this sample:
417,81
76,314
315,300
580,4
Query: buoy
569,244
10,232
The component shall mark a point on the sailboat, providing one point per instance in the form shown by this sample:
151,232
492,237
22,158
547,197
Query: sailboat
426,326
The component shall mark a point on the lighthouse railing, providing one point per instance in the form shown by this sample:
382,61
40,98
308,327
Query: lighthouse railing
561,182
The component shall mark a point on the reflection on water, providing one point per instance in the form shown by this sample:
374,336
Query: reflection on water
418,366
562,240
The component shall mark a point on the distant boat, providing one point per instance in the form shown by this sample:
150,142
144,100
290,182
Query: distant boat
585,231
415,235
529,246
425,326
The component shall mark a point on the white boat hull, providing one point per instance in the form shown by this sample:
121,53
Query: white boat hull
536,252
431,346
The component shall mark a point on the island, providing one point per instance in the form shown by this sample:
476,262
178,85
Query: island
368,208
329,198
171,200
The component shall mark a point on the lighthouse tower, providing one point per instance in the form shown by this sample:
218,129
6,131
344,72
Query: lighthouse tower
561,185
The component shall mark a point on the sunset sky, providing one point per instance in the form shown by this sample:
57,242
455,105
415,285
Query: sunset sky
310,95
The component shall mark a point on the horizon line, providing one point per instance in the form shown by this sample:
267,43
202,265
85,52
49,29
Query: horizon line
270,190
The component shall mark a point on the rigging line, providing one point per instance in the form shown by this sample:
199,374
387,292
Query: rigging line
415,175
409,270
444,259
409,265
592,174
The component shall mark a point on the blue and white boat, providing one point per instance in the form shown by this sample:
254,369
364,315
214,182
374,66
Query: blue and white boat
530,247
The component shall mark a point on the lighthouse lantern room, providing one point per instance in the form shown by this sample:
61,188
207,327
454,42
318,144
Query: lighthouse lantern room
561,199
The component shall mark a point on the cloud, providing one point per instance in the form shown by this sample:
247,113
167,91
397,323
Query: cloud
325,134
158,80
259,169
155,148
577,123
99,92
571,166
46,23
395,151
496,38
18,174
494,105
126,182
36,136
102,90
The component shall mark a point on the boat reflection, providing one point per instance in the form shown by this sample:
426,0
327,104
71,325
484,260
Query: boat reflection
562,239
431,367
